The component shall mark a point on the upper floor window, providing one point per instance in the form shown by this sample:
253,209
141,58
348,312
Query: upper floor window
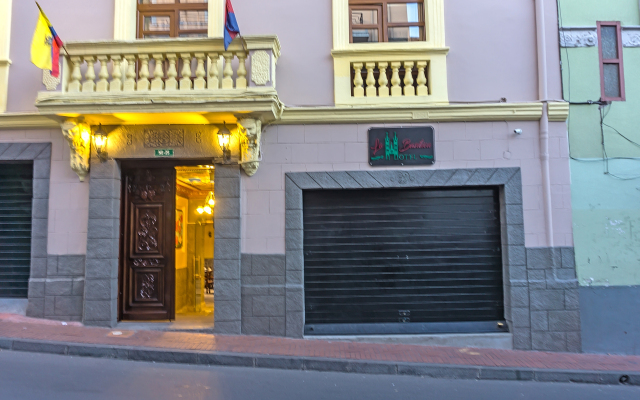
386,21
611,67
172,18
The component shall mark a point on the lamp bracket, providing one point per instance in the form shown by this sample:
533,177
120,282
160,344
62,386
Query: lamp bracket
78,135
250,131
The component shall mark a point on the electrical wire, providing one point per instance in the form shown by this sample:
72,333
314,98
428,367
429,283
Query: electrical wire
601,105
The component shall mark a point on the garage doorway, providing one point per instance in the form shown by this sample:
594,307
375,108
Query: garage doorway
403,261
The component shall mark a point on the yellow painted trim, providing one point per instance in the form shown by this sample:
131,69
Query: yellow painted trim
4,84
558,111
5,42
416,114
126,19
434,18
216,18
27,121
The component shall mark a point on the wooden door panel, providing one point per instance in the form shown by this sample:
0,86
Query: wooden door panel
147,234
147,288
146,282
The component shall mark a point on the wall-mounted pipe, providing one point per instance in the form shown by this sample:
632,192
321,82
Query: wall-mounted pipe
544,122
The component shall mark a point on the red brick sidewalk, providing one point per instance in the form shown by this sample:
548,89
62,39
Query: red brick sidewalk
24,328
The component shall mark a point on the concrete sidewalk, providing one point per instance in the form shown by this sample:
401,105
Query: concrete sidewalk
25,334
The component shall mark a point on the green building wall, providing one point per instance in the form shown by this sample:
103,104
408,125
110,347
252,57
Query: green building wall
605,182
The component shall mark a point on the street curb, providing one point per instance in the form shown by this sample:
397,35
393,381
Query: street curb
323,364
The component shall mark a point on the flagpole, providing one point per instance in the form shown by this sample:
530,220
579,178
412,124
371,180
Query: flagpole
45,16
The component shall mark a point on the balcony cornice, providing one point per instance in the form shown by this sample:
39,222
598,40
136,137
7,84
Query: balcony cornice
263,103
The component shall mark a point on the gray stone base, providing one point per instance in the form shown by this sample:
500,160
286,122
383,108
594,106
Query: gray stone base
553,307
60,294
263,294
609,319
14,306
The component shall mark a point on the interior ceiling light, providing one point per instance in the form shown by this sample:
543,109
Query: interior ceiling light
209,202
208,205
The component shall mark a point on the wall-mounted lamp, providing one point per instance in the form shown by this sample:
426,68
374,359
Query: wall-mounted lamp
224,140
100,142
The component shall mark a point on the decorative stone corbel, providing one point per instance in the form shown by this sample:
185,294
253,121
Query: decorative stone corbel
78,134
250,131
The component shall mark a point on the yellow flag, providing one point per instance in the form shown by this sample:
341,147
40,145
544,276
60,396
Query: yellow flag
41,44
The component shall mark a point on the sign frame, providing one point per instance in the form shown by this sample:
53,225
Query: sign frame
401,146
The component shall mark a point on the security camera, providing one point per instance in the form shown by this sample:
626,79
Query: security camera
517,131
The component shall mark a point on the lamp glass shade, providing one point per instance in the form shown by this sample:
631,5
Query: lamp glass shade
224,137
100,140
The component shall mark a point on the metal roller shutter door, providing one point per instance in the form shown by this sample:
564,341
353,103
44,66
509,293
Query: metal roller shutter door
16,196
402,261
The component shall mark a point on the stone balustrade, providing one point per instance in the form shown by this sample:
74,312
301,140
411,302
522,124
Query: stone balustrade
390,79
169,65
194,75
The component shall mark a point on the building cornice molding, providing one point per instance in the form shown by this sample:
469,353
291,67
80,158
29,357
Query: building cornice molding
588,36
28,121
558,112
409,114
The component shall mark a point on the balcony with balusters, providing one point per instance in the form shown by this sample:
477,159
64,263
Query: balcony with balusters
166,76
397,77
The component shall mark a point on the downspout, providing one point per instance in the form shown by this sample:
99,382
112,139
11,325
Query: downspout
544,121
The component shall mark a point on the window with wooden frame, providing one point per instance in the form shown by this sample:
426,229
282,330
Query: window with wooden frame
386,21
611,66
172,18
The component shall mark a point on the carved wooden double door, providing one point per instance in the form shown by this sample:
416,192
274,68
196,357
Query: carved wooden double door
147,269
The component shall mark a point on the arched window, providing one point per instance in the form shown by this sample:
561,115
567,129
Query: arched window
172,18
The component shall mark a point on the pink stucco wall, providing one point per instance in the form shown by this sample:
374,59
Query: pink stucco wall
493,46
458,145
68,197
72,19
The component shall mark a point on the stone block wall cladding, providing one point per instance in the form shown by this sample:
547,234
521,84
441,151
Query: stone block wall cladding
263,294
61,293
553,301
101,272
227,277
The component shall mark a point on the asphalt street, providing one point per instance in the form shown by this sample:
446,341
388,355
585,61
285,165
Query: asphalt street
26,376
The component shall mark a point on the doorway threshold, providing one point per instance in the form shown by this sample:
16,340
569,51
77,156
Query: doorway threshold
186,323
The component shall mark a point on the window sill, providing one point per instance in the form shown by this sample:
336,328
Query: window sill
389,48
